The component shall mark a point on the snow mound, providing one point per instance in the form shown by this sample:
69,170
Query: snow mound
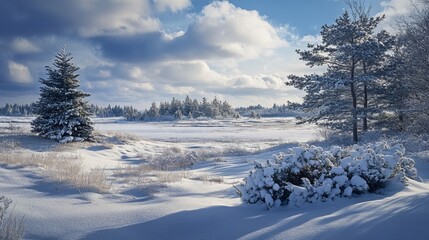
312,174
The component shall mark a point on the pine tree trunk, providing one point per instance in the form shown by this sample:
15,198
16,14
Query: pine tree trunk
401,121
365,103
354,114
365,106
354,111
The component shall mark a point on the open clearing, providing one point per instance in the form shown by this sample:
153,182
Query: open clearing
139,197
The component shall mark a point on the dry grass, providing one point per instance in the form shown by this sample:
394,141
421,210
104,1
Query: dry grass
9,145
115,137
175,158
62,168
171,165
171,176
172,159
207,178
69,147
145,174
325,132
15,129
236,150
11,228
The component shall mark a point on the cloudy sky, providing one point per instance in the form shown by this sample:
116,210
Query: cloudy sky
133,52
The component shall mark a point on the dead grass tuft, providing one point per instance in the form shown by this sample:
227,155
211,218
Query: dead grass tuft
62,168
11,228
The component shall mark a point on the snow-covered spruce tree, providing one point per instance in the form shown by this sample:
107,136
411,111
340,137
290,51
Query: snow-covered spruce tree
62,113
333,97
153,111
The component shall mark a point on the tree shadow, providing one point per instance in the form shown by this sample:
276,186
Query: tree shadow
357,220
218,222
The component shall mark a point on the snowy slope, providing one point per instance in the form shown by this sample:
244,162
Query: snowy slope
203,204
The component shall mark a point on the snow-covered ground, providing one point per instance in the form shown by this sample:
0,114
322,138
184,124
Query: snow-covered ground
196,203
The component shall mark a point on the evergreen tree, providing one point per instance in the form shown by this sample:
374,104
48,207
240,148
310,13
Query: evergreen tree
131,113
187,106
372,52
174,106
216,108
163,108
196,111
153,111
227,110
206,108
178,114
62,113
332,97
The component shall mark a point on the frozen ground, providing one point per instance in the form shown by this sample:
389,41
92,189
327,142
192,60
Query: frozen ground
197,203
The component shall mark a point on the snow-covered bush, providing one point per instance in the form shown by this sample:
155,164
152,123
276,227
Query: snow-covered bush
311,174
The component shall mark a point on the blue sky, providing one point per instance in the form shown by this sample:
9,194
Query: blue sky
133,52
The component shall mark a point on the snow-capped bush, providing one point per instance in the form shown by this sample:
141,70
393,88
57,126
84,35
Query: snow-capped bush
311,174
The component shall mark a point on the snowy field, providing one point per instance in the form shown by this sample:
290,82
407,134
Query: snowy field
129,194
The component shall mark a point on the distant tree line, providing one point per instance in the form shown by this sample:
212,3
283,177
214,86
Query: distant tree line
17,110
175,109
188,108
109,111
171,110
257,111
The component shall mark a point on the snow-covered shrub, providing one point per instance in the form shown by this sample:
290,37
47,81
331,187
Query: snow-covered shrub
311,174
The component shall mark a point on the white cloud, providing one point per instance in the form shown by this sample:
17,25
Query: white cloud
136,73
236,31
145,86
261,81
188,73
172,89
19,73
310,39
129,25
174,6
22,45
394,10
104,74
96,17
126,17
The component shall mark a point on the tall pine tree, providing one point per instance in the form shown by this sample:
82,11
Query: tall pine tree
62,113
333,97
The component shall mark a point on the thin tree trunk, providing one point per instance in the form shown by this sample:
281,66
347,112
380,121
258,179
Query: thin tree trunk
365,102
365,106
354,114
401,121
354,111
